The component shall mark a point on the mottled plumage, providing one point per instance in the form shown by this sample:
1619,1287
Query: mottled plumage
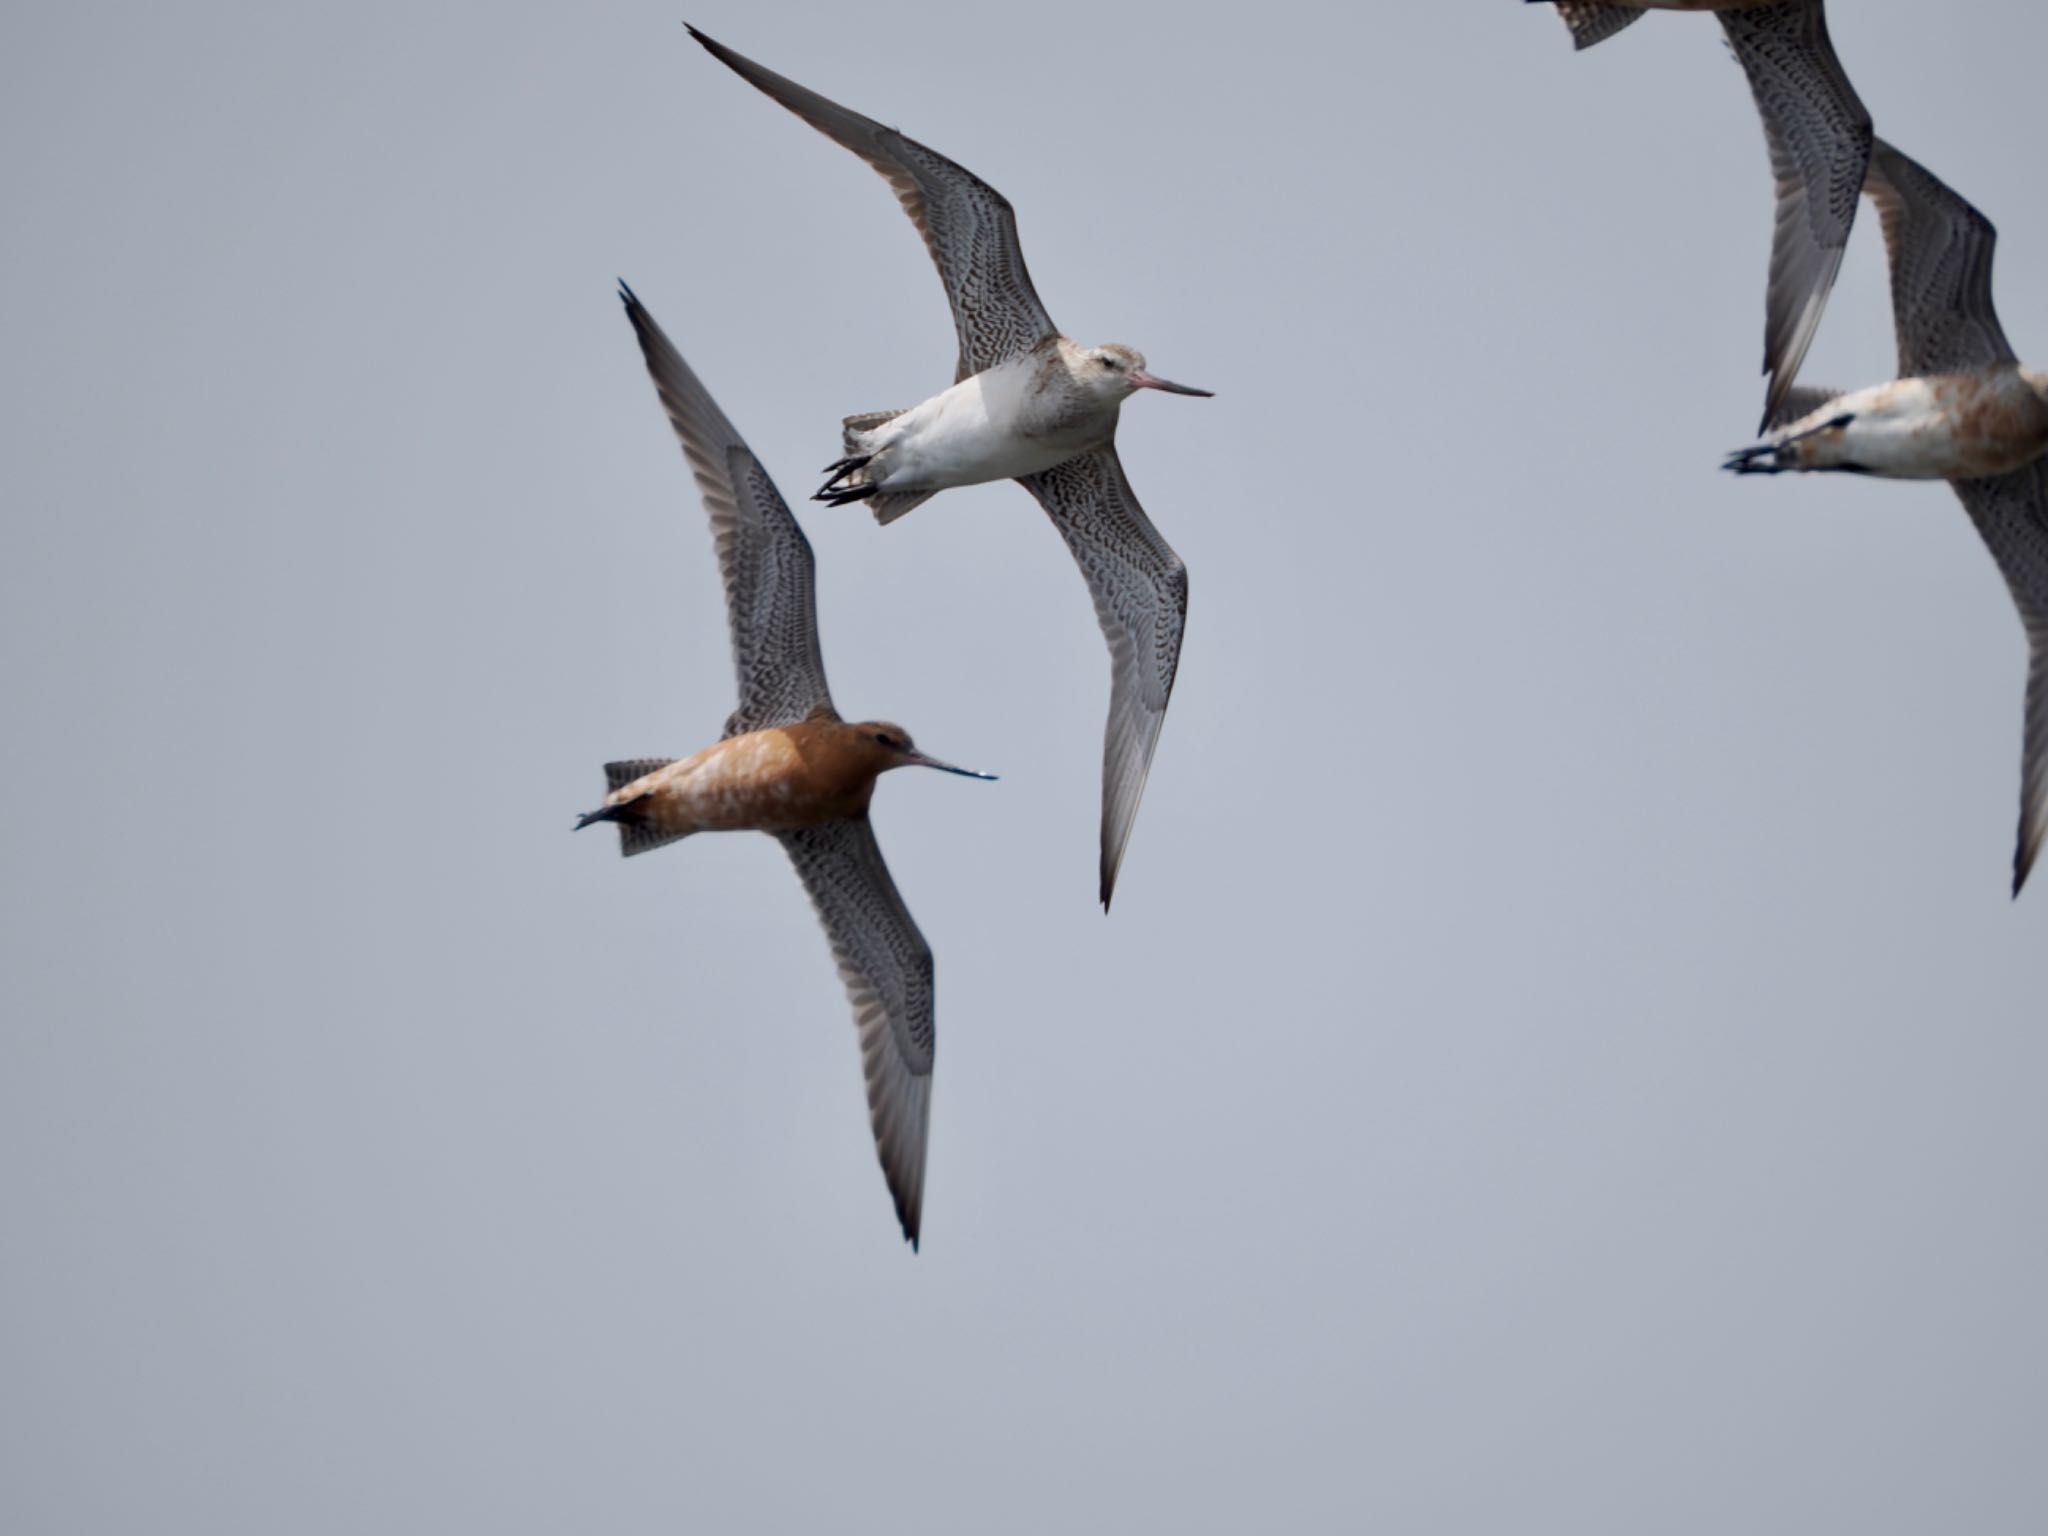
789,766
1028,404
1818,135
1963,410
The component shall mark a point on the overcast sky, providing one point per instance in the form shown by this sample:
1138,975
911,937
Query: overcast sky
1563,1059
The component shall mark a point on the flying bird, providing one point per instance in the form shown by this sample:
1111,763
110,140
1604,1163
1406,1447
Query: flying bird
1961,410
790,766
1819,138
1027,404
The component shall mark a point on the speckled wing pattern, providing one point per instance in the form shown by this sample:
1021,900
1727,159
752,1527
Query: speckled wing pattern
770,583
2011,513
1140,589
887,968
1819,138
1592,24
1940,249
968,226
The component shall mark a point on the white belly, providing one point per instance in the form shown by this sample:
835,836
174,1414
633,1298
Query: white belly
970,434
1953,427
1897,429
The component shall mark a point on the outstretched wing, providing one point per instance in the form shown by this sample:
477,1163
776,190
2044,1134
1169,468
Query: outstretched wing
1941,250
770,587
2011,513
968,226
1140,589
1819,138
887,968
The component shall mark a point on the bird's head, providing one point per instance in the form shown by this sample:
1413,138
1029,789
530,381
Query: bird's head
1114,371
888,746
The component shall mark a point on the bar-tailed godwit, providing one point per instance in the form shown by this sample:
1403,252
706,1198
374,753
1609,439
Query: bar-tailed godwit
1962,410
1027,404
788,765
1818,134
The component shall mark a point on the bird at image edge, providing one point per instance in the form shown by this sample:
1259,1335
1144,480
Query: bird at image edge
1962,410
1027,404
790,766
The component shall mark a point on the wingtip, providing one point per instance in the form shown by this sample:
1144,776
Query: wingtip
627,296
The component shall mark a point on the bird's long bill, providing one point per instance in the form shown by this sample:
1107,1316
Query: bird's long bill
922,761
1140,379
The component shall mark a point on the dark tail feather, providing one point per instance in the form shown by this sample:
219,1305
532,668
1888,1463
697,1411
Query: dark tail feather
636,835
842,495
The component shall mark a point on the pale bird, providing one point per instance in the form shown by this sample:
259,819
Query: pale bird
1027,404
789,766
1962,410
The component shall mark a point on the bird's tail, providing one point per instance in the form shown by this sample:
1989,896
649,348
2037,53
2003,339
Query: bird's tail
1592,23
853,431
637,831
849,479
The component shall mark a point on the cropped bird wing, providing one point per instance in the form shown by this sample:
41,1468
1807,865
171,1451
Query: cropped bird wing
770,588
1140,589
1819,138
968,226
1940,249
1592,24
887,968
2011,512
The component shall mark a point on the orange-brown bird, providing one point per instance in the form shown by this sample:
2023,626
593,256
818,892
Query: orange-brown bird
788,765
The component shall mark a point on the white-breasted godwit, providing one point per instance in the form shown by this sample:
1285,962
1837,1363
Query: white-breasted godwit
1027,404
1961,410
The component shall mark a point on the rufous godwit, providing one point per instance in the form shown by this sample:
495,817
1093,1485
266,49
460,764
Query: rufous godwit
790,766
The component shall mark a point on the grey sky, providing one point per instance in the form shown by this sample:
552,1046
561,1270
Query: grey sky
1562,1061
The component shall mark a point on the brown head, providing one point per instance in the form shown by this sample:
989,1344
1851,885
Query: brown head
881,745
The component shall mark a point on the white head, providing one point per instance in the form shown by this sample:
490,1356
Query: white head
1115,371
